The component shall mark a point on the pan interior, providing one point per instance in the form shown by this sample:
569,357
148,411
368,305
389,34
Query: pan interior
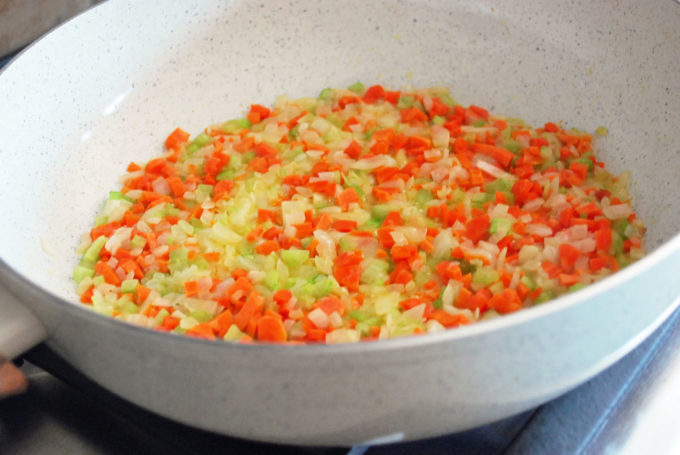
107,88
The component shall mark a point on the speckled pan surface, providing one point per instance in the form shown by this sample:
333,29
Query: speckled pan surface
106,88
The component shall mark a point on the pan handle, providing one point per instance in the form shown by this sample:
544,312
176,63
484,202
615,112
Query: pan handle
19,328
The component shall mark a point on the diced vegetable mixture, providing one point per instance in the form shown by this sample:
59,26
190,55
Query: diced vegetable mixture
361,214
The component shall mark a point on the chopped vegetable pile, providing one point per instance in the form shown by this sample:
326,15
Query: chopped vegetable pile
361,214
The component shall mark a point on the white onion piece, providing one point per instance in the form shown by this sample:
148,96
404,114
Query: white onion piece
618,211
160,186
585,245
533,205
539,229
374,162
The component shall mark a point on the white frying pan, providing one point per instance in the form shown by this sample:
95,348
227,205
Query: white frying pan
107,87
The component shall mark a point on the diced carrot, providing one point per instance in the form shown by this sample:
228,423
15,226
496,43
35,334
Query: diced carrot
252,307
347,197
568,256
191,288
344,225
449,320
271,329
202,331
221,323
176,139
105,270
267,247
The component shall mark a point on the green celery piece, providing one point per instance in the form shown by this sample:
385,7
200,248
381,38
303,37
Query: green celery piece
585,161
513,146
466,267
234,126
502,225
129,286
248,156
358,315
233,334
199,142
326,94
271,280
91,256
294,131
380,211
545,296
357,87
118,195
161,315
226,174
438,120
101,219
485,276
138,241
423,196
81,272
322,288
499,184
405,102
620,226
294,257
576,287
201,315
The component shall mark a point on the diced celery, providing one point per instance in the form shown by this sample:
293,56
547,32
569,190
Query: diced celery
423,196
322,287
438,120
384,304
513,146
528,282
233,333
371,224
98,280
326,94
479,123
248,156
466,267
357,87
127,307
380,211
226,174
499,184
234,126
502,225
271,280
81,272
620,226
457,196
161,315
118,195
138,241
178,259
617,244
92,254
576,287
100,219
358,315
545,296
485,276
405,102
294,131
201,315
375,273
199,142
129,286
585,161
294,257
